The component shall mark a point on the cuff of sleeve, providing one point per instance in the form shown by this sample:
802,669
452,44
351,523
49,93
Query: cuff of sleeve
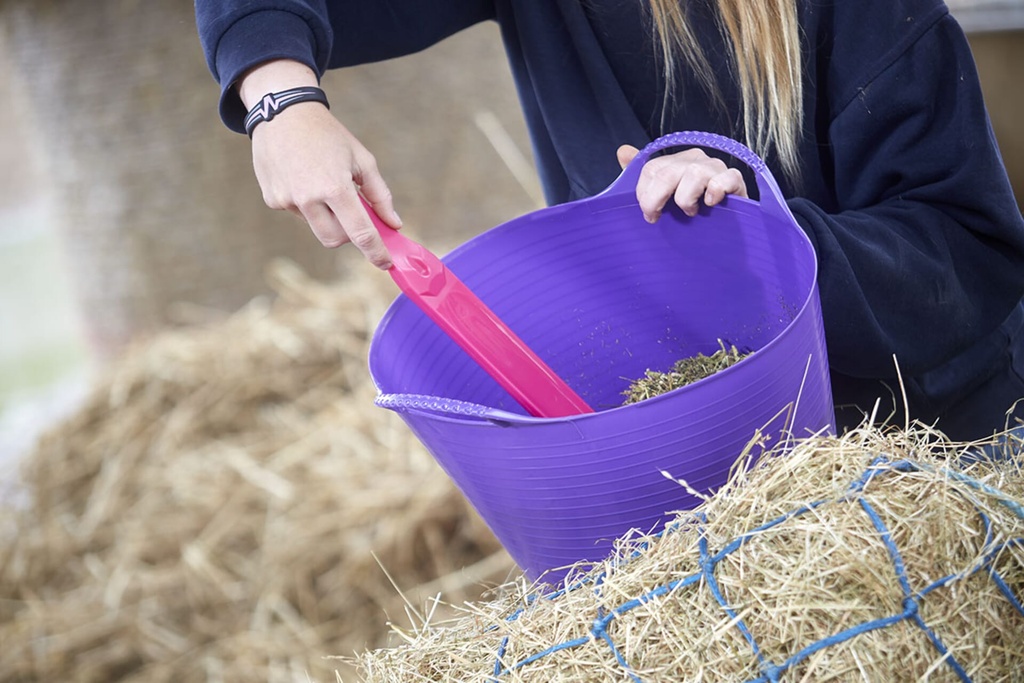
254,39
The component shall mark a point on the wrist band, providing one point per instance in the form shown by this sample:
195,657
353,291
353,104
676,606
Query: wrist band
272,104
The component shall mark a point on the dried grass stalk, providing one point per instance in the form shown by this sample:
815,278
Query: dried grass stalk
650,614
217,509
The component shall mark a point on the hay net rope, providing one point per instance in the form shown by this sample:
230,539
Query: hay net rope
648,613
773,670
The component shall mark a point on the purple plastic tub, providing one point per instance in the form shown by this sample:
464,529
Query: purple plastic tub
602,296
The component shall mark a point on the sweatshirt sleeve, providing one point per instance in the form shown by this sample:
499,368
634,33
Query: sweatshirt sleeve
925,254
236,35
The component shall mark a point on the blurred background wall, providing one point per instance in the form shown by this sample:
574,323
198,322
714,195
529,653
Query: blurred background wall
1000,57
155,202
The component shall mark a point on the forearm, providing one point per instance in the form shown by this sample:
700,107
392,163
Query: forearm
907,279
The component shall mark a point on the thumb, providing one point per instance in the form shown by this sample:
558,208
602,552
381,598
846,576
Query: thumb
625,154
377,193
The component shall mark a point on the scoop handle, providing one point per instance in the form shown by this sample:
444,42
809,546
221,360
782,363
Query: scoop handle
446,300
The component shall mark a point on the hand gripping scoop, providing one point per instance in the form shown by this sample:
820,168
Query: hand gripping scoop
425,279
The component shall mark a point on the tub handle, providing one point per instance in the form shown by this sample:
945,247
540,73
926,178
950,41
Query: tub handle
449,407
772,202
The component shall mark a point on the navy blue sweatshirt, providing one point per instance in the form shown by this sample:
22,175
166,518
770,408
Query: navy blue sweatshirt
902,190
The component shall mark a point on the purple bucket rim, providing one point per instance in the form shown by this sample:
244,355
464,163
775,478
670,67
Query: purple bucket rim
468,412
621,195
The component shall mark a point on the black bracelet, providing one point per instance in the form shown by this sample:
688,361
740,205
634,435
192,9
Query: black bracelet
272,104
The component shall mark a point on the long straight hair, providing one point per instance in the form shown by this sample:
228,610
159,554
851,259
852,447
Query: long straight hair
765,40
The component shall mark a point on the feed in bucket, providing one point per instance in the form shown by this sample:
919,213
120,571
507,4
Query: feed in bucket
683,372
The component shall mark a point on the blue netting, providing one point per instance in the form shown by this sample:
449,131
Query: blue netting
772,671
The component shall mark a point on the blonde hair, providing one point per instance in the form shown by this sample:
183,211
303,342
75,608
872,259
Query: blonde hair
765,40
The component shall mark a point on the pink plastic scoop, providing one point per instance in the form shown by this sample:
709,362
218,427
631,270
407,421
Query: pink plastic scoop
426,280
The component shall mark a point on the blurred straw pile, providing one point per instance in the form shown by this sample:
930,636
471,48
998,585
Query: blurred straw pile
796,558
228,505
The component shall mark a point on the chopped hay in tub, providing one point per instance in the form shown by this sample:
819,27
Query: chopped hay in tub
217,508
876,541
684,372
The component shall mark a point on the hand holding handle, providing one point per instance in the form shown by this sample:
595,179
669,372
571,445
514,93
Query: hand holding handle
772,201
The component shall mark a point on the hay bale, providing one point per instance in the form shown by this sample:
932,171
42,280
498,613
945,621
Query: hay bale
218,507
869,557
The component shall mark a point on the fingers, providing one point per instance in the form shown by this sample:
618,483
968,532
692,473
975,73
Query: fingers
337,217
728,182
352,214
625,154
356,227
342,220
376,191
688,178
324,224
